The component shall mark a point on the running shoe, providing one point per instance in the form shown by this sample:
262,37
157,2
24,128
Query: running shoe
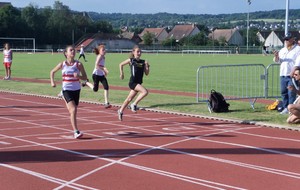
77,134
107,105
120,115
133,108
284,111
60,94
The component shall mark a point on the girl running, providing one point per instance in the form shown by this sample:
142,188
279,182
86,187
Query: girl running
7,61
71,70
99,74
138,68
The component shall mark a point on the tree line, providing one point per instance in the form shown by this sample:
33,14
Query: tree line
50,25
58,25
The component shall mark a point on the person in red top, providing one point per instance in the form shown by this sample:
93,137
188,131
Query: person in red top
72,72
7,60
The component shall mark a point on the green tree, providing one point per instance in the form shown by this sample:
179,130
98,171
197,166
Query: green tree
11,23
35,22
171,42
148,38
60,24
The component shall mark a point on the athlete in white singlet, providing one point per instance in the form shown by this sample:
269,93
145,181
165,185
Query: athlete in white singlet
99,74
7,61
72,72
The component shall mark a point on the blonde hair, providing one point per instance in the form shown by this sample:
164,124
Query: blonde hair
97,50
133,49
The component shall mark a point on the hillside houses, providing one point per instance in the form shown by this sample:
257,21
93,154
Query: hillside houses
230,37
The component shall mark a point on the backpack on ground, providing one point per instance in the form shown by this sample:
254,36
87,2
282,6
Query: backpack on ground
217,102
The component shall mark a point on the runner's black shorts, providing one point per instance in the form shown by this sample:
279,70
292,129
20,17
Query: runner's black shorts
71,96
102,79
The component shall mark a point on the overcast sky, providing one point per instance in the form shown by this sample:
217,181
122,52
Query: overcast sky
169,6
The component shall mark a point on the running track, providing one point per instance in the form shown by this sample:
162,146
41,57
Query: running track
147,150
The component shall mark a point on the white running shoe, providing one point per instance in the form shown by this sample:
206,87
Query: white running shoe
284,111
107,105
120,115
77,134
133,108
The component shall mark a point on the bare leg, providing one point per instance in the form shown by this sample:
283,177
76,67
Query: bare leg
8,72
106,96
129,98
72,108
293,119
90,85
143,93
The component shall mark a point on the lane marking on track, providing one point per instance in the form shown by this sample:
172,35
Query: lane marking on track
175,175
56,138
182,128
122,133
4,143
48,178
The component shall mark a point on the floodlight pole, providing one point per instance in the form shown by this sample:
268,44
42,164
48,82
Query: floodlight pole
287,2
249,3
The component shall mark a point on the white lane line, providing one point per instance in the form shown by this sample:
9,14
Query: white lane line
4,143
224,132
47,177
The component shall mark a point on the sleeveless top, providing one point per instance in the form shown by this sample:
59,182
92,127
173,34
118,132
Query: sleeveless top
7,56
99,72
137,70
69,82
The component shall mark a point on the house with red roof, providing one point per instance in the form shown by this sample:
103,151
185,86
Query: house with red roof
181,31
160,34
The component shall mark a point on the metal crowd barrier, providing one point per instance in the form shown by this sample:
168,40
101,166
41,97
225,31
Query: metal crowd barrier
239,81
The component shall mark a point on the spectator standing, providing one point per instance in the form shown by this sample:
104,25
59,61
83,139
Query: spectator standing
81,53
286,57
7,60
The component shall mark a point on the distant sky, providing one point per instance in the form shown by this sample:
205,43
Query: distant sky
169,6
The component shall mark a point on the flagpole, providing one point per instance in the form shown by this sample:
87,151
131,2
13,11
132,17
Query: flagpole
249,3
287,16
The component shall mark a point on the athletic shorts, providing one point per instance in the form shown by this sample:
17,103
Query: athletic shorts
132,85
71,96
7,64
102,79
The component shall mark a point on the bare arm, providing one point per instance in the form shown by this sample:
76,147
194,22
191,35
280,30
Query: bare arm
127,61
276,56
83,75
147,68
97,61
52,72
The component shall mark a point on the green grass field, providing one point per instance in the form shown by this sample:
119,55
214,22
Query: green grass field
173,72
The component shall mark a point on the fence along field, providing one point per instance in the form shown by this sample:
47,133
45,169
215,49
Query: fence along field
168,71
240,81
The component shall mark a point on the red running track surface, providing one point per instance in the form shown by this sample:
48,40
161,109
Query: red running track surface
147,150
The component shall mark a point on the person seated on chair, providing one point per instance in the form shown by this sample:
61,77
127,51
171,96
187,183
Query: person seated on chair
294,108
